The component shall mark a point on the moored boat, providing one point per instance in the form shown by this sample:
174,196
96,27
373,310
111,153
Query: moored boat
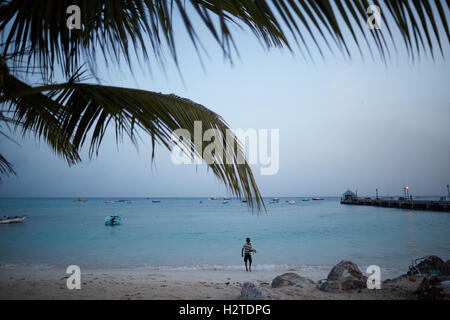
6,220
112,220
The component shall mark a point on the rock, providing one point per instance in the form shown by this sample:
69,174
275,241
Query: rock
430,263
426,291
330,286
445,268
343,277
445,285
250,292
291,279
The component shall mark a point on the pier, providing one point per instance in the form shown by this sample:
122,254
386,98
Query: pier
429,205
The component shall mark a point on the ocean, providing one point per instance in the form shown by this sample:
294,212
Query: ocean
189,233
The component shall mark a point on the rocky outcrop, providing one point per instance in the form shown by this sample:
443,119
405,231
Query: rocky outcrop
434,288
250,292
430,263
291,279
343,277
445,268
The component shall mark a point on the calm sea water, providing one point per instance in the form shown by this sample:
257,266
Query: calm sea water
184,233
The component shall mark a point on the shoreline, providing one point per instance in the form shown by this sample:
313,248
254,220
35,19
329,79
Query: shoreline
163,284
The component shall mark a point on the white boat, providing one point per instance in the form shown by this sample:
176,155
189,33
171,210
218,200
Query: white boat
225,201
6,220
292,202
317,198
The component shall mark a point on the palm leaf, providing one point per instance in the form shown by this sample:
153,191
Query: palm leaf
36,30
88,109
34,37
6,168
33,112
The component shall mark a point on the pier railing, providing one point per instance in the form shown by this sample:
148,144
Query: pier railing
432,205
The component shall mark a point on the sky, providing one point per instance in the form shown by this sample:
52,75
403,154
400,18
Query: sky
343,124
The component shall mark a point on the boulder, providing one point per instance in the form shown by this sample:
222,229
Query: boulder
343,277
428,290
291,279
445,285
445,268
430,263
250,292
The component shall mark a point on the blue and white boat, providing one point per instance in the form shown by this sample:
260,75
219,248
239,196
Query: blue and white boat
112,220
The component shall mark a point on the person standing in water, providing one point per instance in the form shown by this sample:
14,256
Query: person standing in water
246,252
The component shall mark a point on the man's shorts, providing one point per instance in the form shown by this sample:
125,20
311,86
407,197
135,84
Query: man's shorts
248,257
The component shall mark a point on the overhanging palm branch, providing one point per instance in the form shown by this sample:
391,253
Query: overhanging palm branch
35,37
84,111
34,113
5,167
36,30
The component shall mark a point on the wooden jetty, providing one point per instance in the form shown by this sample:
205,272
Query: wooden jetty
411,204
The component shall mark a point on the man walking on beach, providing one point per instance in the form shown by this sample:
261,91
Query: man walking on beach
246,252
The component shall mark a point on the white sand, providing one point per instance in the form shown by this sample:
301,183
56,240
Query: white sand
148,283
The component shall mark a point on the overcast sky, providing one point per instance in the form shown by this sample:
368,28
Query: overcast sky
343,125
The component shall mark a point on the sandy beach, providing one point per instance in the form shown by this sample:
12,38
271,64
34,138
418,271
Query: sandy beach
147,283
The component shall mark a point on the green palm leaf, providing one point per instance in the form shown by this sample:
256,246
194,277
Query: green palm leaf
86,110
36,30
5,167
34,37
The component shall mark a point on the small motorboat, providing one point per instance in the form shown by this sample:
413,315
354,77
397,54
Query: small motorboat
112,220
213,199
244,200
224,202
317,198
275,200
306,199
156,201
292,202
15,219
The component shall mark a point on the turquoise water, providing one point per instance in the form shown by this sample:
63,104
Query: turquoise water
184,233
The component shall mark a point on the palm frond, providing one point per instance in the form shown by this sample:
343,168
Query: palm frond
6,168
88,109
34,112
36,30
